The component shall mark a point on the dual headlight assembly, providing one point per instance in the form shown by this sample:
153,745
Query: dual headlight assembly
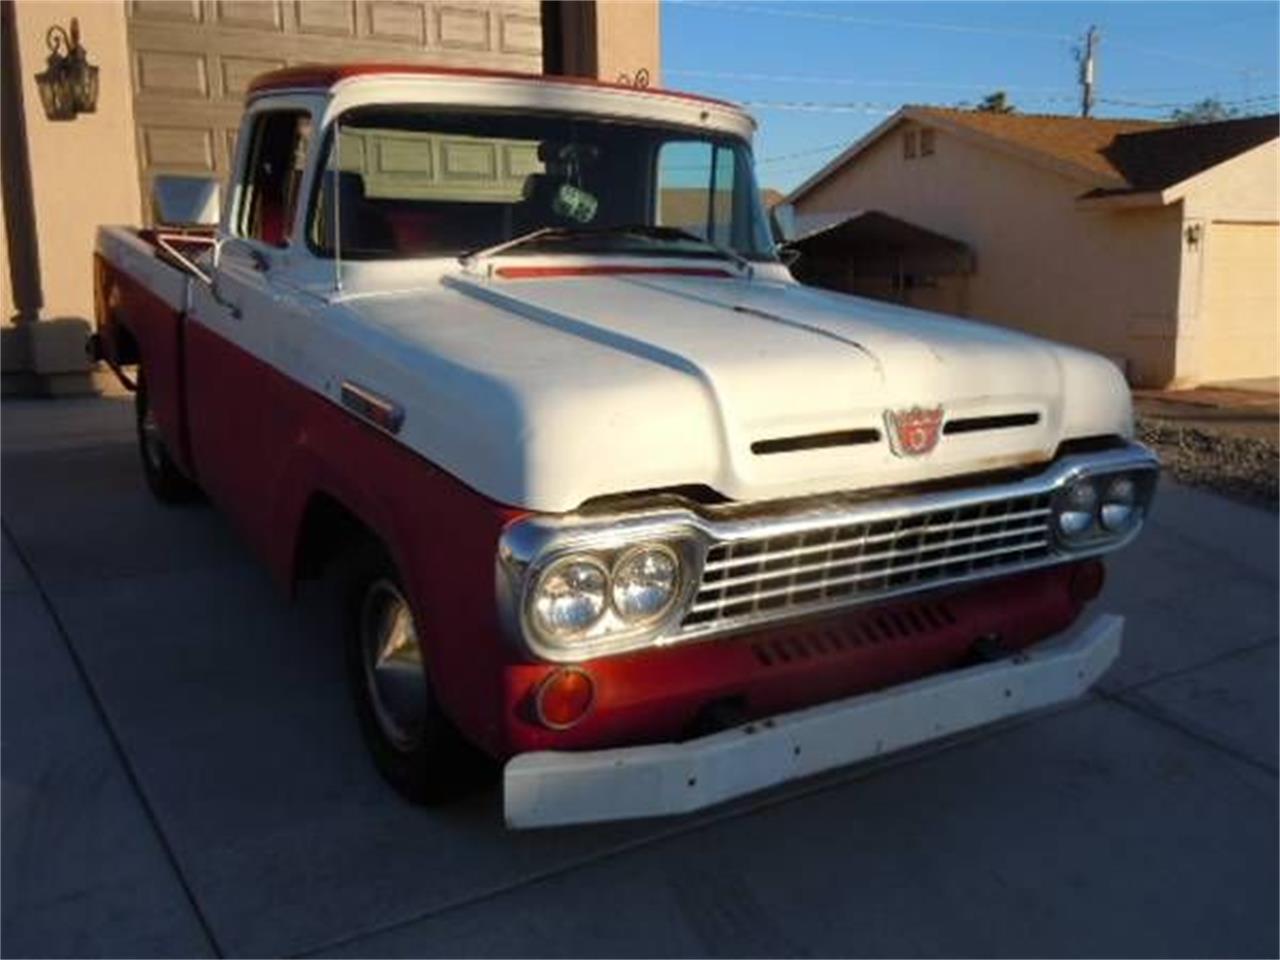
603,598
1096,510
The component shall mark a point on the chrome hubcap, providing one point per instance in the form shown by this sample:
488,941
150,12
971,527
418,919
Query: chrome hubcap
152,443
393,664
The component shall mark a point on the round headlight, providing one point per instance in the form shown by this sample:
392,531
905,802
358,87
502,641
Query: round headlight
645,583
1077,510
1119,505
570,597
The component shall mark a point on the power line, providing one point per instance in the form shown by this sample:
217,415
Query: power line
886,110
872,109
803,153
854,81
759,8
1170,55
1031,92
762,9
1244,102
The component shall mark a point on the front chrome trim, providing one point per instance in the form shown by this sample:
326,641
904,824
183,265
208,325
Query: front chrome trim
529,545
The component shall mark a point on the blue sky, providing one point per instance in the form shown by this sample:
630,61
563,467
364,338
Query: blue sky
818,75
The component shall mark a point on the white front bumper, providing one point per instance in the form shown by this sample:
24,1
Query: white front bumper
550,788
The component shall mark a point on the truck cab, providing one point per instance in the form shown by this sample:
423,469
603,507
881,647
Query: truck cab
620,505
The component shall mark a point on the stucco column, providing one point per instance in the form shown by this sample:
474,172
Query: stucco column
612,40
628,41
80,173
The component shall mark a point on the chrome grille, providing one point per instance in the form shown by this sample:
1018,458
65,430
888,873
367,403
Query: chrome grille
856,561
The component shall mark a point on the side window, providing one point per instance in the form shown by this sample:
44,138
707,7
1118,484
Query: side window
696,189
273,176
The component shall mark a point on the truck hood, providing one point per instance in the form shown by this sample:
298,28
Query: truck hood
573,388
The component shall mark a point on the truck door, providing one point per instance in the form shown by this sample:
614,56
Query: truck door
237,432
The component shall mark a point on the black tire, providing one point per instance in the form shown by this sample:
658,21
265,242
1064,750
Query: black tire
167,482
418,750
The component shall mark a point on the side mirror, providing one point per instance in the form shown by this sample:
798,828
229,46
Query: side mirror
186,201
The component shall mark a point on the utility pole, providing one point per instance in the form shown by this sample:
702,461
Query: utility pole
1086,70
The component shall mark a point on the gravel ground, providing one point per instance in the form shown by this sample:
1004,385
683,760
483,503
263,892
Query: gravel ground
1241,467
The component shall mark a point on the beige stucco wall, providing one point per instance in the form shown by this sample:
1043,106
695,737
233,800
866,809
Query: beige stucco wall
1227,307
627,40
1103,279
84,171
7,308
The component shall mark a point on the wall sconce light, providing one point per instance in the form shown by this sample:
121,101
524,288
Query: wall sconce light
1193,236
69,84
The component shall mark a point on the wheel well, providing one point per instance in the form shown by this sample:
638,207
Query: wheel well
328,531
126,345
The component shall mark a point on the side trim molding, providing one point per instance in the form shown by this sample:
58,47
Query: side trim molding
372,407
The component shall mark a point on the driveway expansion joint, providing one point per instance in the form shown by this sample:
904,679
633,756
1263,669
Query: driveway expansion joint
117,746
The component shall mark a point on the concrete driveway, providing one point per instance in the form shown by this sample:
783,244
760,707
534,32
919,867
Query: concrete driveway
182,773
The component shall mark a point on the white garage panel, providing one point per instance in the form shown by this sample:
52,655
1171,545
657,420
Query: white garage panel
192,60
1239,311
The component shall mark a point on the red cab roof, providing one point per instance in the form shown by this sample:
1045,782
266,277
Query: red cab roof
325,75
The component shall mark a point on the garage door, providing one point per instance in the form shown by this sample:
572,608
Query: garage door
1239,310
192,60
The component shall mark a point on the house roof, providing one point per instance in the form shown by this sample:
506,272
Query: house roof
1079,141
876,233
1114,156
1157,159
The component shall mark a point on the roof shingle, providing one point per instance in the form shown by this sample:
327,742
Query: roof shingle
1078,140
1156,159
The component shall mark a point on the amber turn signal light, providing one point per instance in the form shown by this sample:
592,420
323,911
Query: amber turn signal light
1087,580
564,697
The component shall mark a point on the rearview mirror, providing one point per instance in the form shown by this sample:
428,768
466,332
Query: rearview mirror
186,201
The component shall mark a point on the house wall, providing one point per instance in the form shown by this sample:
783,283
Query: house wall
83,171
628,39
8,309
1227,308
1101,279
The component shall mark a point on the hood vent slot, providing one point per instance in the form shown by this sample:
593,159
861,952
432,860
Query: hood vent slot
1003,422
816,441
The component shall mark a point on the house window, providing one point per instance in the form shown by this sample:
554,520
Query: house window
926,143
909,145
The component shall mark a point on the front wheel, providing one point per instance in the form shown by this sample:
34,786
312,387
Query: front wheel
414,745
167,482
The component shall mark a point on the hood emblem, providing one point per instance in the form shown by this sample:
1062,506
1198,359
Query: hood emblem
913,432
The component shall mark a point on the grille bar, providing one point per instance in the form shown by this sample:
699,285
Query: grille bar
858,556
715,566
761,595
859,561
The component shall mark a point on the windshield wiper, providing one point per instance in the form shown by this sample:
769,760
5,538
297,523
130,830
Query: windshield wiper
646,231
466,258
679,233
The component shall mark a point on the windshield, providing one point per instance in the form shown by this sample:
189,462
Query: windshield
422,182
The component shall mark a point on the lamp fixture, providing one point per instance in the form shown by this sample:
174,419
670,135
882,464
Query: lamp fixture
69,84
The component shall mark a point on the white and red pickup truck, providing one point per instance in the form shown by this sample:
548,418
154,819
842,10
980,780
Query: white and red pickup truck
621,504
